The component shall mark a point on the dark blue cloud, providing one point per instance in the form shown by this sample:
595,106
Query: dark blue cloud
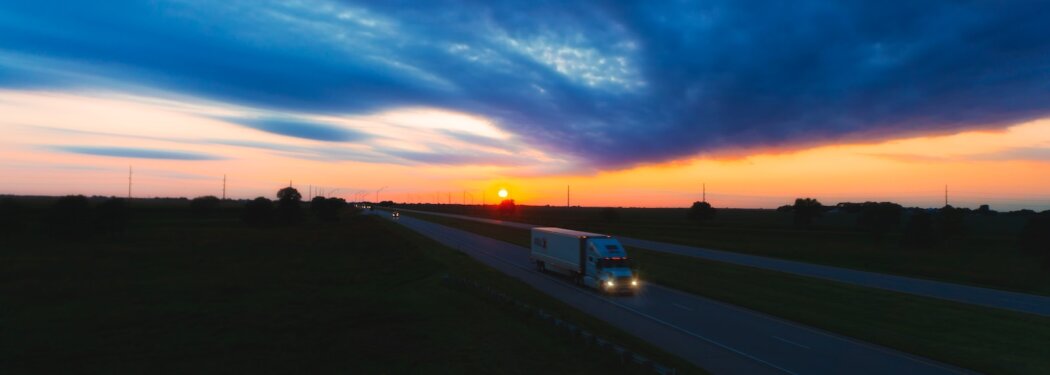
300,129
137,153
613,84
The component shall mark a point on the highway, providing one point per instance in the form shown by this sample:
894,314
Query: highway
1001,299
720,338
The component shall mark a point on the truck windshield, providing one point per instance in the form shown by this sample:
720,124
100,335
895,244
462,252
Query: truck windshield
614,263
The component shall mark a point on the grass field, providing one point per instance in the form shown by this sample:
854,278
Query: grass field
982,339
183,295
985,254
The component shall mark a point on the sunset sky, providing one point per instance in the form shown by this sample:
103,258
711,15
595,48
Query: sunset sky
634,104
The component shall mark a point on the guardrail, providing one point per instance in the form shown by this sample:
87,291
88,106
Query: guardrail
625,355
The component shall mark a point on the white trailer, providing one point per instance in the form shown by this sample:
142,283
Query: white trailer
595,260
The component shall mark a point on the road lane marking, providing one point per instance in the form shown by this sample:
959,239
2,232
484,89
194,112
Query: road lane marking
790,342
868,345
681,307
612,302
778,265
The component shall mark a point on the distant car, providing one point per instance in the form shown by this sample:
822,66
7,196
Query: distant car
396,214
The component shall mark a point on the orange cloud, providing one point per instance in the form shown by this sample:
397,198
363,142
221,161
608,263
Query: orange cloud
1008,168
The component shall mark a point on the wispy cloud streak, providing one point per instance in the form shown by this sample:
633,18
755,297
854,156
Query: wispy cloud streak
607,85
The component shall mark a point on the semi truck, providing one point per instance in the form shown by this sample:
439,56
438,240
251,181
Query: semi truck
594,260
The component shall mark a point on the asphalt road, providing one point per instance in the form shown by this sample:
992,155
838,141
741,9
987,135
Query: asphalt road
720,338
1001,299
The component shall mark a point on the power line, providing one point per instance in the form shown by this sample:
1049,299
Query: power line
377,193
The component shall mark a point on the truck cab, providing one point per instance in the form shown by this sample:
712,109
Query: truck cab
607,267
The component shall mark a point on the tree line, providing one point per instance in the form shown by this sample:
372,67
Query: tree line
924,228
79,217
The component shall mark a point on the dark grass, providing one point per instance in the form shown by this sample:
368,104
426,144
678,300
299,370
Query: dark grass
985,254
978,338
182,295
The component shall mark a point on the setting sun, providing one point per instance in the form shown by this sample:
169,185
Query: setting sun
864,181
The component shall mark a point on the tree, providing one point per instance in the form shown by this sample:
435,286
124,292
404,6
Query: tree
70,217
317,204
919,230
807,209
951,220
879,218
1022,212
288,205
327,209
204,206
12,216
701,212
984,210
111,216
507,207
1034,238
850,207
289,194
610,214
258,212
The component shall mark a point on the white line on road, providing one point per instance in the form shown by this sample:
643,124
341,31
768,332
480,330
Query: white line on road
681,307
905,355
790,342
625,307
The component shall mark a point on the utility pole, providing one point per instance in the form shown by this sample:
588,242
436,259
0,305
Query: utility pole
703,195
377,193
946,195
568,196
464,197
129,182
223,187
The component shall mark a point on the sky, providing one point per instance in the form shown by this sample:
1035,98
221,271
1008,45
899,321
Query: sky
629,103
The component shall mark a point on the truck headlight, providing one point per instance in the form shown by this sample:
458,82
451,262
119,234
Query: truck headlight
634,282
610,283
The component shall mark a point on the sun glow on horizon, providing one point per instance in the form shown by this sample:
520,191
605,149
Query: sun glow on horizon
1006,168
86,146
